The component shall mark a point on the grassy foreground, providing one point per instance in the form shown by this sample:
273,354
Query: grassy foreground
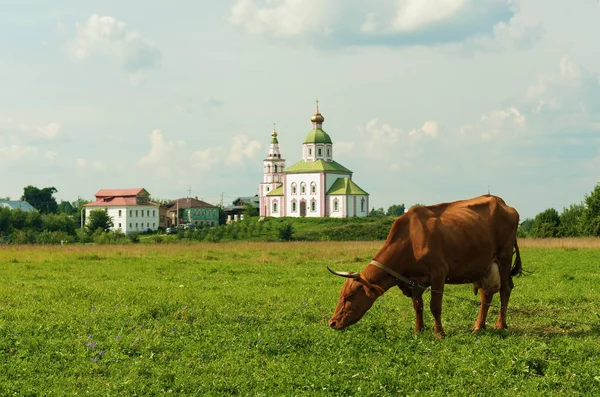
250,319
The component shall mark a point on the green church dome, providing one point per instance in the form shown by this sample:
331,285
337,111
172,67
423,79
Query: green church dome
317,135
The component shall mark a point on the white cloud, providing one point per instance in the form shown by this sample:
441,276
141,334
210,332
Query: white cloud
283,17
429,128
498,124
384,22
17,153
20,143
161,150
83,164
392,146
108,36
207,158
241,149
572,89
414,15
49,131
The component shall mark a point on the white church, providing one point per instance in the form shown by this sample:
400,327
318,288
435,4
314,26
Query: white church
316,186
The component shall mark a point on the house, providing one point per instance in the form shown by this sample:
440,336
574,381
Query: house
192,211
237,209
16,205
130,209
316,186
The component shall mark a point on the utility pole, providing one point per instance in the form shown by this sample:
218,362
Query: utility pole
190,192
221,199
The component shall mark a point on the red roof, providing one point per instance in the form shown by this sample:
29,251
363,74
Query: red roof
118,197
118,192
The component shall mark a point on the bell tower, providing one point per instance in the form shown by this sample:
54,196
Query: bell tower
273,171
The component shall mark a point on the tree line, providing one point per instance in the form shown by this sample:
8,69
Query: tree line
578,220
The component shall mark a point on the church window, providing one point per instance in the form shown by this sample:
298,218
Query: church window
268,189
275,206
328,152
302,188
119,213
336,205
313,188
319,151
309,151
313,206
268,168
275,167
293,206
362,205
294,188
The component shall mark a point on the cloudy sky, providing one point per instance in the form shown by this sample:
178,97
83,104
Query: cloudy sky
425,100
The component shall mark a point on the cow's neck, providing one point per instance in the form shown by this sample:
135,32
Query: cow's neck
378,277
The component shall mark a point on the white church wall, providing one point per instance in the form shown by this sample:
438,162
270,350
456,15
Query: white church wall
308,196
337,206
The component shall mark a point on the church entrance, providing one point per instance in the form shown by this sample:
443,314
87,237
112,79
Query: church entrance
302,208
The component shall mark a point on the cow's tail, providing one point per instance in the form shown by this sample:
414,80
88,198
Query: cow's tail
517,268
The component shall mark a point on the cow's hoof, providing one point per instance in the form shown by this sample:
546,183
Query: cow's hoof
501,326
477,328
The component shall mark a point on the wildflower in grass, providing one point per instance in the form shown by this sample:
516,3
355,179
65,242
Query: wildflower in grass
101,353
202,355
138,339
118,337
89,336
95,359
185,306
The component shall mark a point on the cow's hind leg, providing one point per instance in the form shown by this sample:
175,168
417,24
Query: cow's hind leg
485,299
505,290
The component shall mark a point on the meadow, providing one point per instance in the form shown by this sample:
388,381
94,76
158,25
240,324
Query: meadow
250,319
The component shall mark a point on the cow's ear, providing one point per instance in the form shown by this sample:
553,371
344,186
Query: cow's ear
373,291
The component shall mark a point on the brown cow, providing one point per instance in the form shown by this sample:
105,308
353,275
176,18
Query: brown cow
468,241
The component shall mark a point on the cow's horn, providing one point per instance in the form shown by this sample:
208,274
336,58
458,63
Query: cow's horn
345,274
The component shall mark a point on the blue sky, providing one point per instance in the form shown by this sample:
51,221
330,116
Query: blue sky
426,101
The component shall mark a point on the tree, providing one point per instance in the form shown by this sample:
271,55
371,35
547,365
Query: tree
395,210
590,218
286,231
526,226
570,221
41,199
250,210
546,224
377,212
99,219
65,207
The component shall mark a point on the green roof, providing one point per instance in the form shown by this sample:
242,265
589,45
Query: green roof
317,136
317,166
276,192
274,140
344,186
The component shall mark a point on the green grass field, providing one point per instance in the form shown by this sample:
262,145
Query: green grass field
250,319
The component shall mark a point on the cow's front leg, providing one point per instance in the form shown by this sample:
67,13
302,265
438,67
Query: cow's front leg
484,306
418,306
437,292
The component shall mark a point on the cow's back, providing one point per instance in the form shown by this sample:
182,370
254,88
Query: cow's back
465,235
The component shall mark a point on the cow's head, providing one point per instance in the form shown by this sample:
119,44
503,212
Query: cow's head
356,297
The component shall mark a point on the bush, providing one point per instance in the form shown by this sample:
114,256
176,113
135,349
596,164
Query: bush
286,231
134,237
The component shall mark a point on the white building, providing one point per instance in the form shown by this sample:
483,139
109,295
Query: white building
130,209
316,186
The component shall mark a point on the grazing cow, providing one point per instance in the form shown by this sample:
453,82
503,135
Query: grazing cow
468,241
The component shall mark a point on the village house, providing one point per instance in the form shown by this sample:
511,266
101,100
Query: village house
191,211
130,209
